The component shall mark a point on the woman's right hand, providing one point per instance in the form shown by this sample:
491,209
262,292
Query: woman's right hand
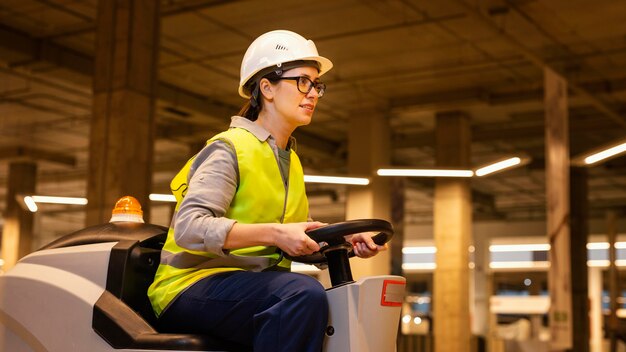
293,240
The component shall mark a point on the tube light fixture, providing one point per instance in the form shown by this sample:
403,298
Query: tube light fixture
607,153
31,201
419,250
156,197
59,200
598,263
425,172
419,266
360,181
30,204
498,166
531,247
519,247
503,265
598,245
519,265
605,245
605,263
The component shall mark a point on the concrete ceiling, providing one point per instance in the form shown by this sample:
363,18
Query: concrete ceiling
413,58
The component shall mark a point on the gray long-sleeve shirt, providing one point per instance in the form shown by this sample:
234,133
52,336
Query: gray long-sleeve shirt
199,224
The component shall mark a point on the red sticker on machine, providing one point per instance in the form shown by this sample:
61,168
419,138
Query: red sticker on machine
393,293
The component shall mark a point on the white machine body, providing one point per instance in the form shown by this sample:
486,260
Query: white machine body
47,302
47,299
365,315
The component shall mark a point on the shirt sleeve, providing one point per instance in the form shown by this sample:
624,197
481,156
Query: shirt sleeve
200,224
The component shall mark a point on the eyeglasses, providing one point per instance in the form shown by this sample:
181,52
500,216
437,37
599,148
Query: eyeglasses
305,84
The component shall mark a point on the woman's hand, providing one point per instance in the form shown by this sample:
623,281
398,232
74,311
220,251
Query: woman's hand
292,238
364,246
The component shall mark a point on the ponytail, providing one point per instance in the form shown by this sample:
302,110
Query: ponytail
252,107
249,112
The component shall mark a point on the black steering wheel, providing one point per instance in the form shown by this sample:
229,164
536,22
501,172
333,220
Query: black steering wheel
333,236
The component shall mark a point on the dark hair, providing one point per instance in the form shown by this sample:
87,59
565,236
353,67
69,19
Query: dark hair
253,106
249,112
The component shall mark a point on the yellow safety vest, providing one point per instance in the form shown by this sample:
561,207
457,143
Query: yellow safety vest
261,197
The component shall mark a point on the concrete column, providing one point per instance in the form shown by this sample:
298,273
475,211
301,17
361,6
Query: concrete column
558,210
535,320
481,292
578,254
595,301
368,150
452,232
614,286
122,127
17,234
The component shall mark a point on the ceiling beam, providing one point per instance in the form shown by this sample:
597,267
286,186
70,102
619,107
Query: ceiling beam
197,107
168,9
462,98
28,50
596,101
531,126
200,107
34,154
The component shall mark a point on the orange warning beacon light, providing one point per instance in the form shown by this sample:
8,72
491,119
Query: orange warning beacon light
128,209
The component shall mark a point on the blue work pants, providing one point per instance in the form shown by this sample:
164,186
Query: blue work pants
269,311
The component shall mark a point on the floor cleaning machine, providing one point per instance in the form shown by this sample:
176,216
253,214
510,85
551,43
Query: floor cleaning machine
87,292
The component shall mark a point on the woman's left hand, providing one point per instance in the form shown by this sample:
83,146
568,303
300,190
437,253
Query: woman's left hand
364,246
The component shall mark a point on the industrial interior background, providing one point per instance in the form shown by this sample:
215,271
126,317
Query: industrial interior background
411,59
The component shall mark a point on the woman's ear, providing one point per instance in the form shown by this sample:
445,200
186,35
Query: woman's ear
266,88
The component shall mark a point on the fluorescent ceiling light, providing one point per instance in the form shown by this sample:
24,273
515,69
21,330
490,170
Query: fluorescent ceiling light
607,153
419,266
419,250
519,265
512,247
605,245
59,200
425,172
519,247
498,166
598,263
30,203
605,263
162,197
598,245
360,181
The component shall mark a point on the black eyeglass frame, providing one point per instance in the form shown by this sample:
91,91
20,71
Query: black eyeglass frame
316,85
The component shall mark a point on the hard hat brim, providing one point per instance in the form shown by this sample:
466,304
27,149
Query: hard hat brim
325,66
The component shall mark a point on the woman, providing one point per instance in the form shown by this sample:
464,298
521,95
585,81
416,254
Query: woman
241,202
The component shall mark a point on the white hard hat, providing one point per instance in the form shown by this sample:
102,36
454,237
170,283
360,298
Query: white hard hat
274,49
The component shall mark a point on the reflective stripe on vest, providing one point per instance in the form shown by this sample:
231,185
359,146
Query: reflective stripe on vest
261,197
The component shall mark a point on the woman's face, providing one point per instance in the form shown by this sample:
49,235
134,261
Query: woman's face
296,107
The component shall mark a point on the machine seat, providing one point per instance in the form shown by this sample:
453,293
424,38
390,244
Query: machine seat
123,315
